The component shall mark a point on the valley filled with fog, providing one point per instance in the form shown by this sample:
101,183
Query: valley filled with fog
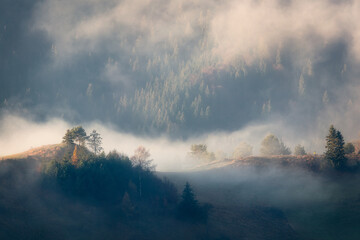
216,119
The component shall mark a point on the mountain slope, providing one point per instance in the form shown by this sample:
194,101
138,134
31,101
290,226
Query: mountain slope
46,152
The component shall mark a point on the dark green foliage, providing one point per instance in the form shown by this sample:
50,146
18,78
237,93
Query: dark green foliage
76,134
69,137
271,145
335,153
79,135
349,148
106,179
189,208
299,150
188,200
94,200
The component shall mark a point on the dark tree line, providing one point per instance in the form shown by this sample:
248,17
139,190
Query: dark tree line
115,176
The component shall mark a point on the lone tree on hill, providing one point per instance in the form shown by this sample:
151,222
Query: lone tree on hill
94,142
335,152
299,150
189,206
200,152
271,145
77,134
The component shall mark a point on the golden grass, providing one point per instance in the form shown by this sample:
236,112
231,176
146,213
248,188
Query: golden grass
39,153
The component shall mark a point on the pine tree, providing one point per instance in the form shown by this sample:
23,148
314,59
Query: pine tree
79,135
188,198
189,208
68,138
335,153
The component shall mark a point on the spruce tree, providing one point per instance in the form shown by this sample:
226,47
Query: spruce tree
335,153
188,197
189,208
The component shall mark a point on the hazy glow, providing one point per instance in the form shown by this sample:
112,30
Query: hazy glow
18,134
236,28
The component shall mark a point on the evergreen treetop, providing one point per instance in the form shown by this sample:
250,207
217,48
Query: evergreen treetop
188,197
335,152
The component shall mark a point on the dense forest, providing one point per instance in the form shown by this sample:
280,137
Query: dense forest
179,87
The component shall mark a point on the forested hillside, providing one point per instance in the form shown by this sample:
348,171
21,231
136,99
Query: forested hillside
177,84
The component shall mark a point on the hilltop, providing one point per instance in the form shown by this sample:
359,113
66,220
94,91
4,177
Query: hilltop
46,152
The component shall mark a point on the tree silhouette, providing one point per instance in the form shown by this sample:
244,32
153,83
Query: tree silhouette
299,150
349,148
189,208
142,162
69,137
94,142
335,153
141,158
188,198
271,145
79,135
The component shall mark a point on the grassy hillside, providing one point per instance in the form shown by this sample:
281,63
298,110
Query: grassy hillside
313,201
47,152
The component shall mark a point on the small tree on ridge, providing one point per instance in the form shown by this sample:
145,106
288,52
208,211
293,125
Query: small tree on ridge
94,142
335,153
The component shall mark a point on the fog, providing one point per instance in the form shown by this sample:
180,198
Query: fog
250,28
18,134
166,75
